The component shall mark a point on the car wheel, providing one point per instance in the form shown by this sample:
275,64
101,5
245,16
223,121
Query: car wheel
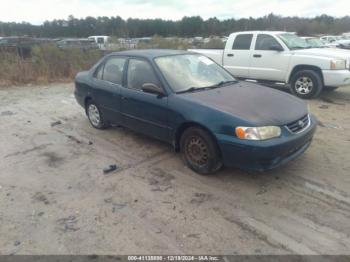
306,84
200,151
95,115
330,88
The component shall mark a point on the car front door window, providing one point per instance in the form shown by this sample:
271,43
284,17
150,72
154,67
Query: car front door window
140,72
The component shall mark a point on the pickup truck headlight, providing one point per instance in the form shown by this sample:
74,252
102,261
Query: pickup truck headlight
338,64
347,65
258,133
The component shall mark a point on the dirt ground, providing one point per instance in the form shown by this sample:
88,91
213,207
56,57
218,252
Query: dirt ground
55,199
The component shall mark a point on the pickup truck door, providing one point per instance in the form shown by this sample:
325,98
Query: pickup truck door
269,60
237,55
144,112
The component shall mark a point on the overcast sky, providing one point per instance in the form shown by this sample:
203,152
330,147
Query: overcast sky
37,11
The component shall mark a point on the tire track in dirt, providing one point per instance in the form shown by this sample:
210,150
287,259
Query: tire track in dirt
263,227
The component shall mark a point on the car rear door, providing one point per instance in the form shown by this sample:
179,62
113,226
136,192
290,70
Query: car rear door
267,62
108,81
144,112
237,54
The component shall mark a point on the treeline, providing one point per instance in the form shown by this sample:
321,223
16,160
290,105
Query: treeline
186,27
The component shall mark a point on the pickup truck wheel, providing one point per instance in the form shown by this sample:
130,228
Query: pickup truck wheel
199,151
95,115
306,84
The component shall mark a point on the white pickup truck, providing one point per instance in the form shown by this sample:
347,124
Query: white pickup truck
282,57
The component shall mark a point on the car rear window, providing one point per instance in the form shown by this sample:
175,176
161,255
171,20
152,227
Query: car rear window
242,42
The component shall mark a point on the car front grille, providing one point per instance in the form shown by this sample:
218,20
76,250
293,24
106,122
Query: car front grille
299,125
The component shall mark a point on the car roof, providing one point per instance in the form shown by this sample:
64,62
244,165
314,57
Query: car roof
151,53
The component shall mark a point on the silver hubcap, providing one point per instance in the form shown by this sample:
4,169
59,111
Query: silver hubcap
94,115
304,85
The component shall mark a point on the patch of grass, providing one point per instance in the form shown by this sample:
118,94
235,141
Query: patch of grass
46,64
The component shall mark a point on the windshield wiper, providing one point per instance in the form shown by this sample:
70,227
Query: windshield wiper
222,83
191,89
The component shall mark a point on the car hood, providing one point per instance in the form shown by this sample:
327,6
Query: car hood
252,103
324,52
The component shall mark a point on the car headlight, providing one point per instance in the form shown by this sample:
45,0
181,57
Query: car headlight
338,64
258,133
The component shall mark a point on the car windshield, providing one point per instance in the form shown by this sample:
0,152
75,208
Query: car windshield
315,42
191,72
293,41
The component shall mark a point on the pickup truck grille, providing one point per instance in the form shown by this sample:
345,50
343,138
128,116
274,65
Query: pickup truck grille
299,125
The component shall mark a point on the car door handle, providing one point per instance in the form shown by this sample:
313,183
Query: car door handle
257,55
230,55
123,98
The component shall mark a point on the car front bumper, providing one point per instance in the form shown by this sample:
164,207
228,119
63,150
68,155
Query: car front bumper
267,154
336,77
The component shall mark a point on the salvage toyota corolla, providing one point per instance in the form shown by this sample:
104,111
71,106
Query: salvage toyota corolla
191,102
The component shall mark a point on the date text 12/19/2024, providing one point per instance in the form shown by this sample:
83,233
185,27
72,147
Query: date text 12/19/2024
173,258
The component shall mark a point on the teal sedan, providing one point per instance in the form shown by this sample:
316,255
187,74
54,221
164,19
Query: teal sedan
187,100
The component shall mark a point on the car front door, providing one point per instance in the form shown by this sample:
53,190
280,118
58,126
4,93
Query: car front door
269,61
237,55
144,112
108,81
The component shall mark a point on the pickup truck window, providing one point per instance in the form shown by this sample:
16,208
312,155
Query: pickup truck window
113,70
242,42
266,42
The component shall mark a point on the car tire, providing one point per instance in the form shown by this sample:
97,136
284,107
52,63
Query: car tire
306,84
199,151
330,88
95,115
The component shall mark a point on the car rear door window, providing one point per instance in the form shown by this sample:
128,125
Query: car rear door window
265,42
113,70
242,42
139,73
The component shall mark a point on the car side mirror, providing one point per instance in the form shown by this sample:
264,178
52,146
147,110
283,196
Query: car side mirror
152,89
277,48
